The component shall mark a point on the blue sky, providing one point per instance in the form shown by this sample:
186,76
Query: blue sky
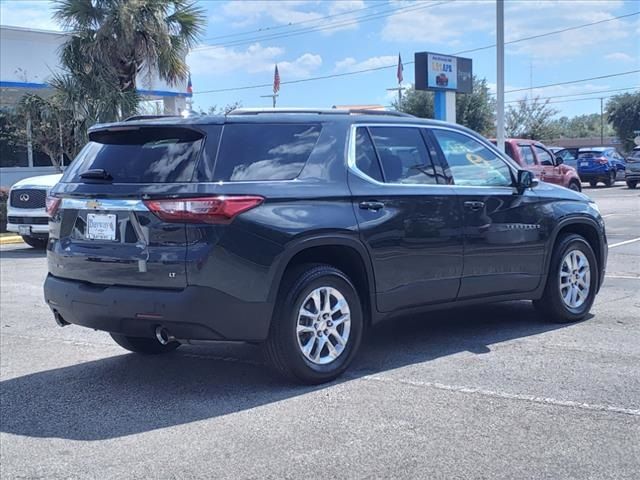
360,34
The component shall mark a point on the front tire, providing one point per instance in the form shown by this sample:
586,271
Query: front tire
572,281
317,328
145,346
631,185
611,179
593,183
35,242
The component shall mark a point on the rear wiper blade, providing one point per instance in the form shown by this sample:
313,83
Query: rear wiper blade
97,174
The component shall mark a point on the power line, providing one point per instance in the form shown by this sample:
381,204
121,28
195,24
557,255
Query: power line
580,94
384,67
288,25
330,26
574,81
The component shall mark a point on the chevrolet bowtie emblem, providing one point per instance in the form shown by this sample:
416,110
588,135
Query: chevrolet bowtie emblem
94,204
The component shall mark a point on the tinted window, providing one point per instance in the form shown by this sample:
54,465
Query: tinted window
470,162
543,156
403,155
264,151
366,159
140,155
526,154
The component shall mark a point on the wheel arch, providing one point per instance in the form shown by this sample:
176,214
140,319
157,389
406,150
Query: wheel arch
342,252
590,230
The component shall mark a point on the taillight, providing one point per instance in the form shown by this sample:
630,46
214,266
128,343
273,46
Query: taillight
602,160
220,209
52,205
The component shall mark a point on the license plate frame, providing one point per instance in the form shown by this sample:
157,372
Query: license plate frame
24,230
101,226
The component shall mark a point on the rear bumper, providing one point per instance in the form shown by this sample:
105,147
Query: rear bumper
629,175
194,313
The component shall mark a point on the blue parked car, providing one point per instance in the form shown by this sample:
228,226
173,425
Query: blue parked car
600,164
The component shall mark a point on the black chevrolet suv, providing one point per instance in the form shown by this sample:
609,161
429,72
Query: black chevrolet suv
300,229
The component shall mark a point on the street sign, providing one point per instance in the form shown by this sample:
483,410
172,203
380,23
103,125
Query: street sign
439,72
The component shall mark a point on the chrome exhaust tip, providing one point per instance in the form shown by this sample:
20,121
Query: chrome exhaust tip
163,336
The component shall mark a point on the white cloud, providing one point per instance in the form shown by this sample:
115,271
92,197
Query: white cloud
28,14
441,24
621,57
310,13
254,59
350,64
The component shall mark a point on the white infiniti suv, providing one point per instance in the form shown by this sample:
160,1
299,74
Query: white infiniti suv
26,209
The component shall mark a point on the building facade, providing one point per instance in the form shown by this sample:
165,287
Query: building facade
28,58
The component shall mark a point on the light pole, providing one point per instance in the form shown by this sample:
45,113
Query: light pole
500,74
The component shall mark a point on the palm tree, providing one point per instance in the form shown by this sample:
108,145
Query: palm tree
123,38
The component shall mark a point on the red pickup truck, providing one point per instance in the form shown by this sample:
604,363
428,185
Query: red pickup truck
534,156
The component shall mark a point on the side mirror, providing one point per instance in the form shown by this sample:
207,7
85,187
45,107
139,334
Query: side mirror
525,180
559,160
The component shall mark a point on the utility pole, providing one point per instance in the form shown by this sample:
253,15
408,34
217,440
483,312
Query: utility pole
272,97
601,122
399,89
500,74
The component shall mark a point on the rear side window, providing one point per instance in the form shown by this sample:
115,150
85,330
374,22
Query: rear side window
526,154
366,159
139,155
403,155
250,152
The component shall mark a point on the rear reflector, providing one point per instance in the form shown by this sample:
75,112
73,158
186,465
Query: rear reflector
215,210
52,204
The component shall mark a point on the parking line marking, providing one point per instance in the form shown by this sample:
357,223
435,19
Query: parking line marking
613,245
626,277
618,215
510,396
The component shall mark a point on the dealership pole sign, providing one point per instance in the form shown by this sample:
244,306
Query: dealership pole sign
445,75
438,72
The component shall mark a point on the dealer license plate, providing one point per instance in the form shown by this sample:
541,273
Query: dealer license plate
101,226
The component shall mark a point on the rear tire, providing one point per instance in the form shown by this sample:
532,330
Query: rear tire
557,303
317,328
35,242
611,180
575,186
593,183
631,185
145,346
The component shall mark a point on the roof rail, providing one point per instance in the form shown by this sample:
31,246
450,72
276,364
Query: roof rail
148,117
319,111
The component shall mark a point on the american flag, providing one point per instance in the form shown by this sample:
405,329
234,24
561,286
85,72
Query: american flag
189,85
276,81
400,69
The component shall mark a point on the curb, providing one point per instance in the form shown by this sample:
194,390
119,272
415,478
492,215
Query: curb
10,239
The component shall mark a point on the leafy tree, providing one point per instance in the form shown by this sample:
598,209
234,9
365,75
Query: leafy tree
531,119
475,110
623,112
52,127
581,126
114,41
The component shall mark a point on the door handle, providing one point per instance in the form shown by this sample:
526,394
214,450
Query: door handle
474,206
371,205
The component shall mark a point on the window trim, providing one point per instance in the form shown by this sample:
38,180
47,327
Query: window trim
351,156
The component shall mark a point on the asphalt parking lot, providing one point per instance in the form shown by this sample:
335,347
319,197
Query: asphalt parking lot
489,392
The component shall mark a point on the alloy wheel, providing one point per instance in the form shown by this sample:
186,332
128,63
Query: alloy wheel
323,325
575,279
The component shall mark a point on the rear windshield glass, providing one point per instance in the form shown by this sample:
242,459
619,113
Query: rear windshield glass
590,154
139,155
250,152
